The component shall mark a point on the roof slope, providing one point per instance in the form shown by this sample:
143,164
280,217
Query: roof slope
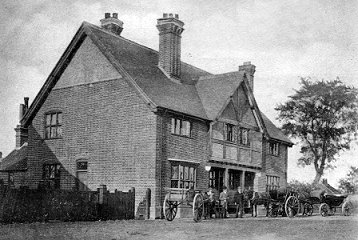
273,131
15,161
141,63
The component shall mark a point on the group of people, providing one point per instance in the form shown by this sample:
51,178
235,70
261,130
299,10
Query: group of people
223,200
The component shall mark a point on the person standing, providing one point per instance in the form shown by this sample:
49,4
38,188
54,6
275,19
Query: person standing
239,198
223,201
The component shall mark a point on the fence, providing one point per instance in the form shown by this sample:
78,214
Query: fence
33,205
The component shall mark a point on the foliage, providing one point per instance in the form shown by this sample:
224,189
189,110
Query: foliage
323,116
349,184
301,186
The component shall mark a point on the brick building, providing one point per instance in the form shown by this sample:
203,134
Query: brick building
117,113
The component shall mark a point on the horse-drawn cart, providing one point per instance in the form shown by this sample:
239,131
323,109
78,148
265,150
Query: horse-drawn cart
190,197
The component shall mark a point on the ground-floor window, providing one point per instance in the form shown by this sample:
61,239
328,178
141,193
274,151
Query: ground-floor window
10,180
234,179
51,172
183,176
216,178
82,178
272,183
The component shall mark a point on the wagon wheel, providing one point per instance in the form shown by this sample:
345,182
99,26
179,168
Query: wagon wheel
307,209
169,209
347,208
292,206
198,207
324,209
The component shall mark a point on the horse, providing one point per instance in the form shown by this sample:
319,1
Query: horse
258,198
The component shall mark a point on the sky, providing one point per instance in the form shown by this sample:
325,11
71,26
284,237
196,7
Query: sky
286,40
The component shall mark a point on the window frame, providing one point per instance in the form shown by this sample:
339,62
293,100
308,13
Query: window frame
241,136
272,182
229,132
79,171
181,130
186,175
274,148
48,127
46,174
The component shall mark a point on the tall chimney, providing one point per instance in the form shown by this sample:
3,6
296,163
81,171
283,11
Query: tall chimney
112,23
26,102
170,30
249,69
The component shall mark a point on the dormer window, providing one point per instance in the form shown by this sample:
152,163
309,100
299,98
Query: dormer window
181,127
53,125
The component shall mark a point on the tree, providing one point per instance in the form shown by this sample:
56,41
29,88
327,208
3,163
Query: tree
323,117
350,183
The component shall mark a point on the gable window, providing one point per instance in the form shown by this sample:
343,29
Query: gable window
51,172
181,127
53,125
272,183
229,132
183,176
82,179
274,148
244,136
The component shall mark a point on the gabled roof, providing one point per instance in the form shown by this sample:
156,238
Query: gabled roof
214,90
274,132
203,95
15,161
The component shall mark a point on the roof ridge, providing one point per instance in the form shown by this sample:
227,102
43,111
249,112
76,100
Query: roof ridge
218,75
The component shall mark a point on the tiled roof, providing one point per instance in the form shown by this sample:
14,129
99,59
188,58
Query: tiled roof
273,131
15,161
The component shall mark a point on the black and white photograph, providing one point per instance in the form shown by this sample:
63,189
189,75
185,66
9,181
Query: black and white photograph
163,119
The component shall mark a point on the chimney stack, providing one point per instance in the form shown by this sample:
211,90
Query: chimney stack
112,24
170,30
249,69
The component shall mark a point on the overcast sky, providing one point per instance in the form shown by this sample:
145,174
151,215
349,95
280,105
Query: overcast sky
284,39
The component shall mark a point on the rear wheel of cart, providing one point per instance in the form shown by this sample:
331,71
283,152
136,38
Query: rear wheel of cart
347,208
198,207
169,209
292,206
324,209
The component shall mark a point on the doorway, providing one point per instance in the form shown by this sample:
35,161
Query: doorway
216,178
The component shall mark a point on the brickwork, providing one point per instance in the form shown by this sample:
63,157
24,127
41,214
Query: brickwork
104,123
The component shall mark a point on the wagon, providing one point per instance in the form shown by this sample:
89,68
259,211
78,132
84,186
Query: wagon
190,197
328,203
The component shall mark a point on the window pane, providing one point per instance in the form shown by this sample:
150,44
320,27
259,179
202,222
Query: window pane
59,118
59,131
177,126
175,170
53,119
53,132
186,128
48,132
186,184
174,184
191,172
81,165
82,181
48,119
173,125
186,173
181,172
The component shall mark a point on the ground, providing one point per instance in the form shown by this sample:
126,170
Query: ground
314,227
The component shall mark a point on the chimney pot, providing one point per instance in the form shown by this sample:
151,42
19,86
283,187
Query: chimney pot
21,111
107,15
26,101
171,15
112,24
165,15
115,15
177,16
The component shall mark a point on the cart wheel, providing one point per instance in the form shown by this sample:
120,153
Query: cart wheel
292,206
347,208
307,209
324,209
169,208
198,207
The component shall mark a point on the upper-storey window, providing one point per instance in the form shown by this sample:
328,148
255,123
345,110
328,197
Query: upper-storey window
181,127
244,136
274,148
229,133
53,125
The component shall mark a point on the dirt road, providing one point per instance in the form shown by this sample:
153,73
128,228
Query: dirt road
315,227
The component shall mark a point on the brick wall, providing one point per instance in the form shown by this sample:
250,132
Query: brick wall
105,123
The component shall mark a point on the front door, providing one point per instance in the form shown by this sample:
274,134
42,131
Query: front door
249,180
216,178
234,178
